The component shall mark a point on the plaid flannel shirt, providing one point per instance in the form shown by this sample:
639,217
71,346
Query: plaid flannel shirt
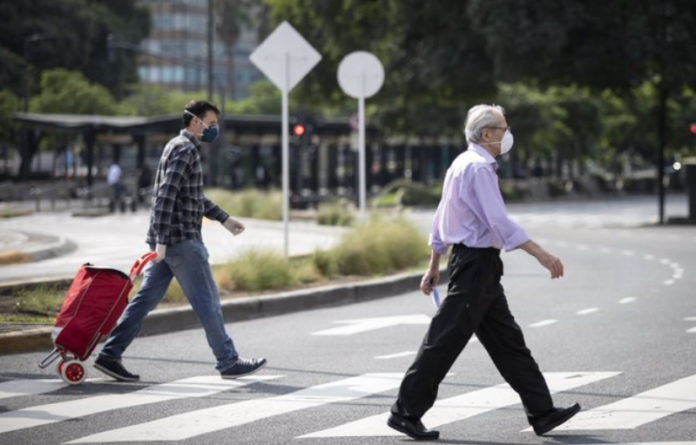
178,202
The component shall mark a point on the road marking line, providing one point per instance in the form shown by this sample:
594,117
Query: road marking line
648,257
605,250
207,420
691,331
646,443
583,247
627,252
397,355
30,387
689,318
665,261
463,406
542,323
200,386
632,412
668,282
370,324
627,300
589,310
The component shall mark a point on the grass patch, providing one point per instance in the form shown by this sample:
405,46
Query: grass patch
249,203
40,300
257,270
339,213
378,246
26,320
403,192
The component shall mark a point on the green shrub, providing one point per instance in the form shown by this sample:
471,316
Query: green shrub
380,246
249,203
257,270
326,263
43,299
408,193
339,213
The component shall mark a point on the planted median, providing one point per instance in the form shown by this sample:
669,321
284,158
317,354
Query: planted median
380,246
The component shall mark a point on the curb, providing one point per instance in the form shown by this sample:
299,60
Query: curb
179,318
60,247
52,249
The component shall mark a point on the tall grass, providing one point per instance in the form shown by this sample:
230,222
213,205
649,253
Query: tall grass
378,246
339,213
249,203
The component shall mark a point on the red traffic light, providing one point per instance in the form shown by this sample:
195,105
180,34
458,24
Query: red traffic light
693,128
299,130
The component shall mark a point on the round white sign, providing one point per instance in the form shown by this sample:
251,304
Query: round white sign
360,74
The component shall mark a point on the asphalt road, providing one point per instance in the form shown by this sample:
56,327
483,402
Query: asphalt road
617,334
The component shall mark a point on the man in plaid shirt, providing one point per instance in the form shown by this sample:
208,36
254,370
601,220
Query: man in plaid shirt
175,234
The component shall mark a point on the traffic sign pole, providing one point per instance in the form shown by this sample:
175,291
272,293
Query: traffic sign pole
360,75
286,159
273,58
361,147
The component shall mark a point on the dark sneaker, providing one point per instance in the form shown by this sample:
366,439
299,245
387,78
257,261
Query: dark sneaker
242,367
552,419
114,368
413,428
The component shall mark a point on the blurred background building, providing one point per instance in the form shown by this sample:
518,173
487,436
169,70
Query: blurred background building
174,54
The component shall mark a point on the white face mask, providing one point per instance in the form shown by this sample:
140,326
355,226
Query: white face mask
505,143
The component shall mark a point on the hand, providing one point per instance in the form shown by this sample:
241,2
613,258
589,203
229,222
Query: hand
430,279
161,251
234,226
553,264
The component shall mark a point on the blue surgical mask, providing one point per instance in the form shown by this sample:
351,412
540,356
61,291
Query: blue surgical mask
210,133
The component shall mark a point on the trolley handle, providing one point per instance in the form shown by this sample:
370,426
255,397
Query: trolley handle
140,264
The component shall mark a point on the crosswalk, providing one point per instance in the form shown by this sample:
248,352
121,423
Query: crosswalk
626,412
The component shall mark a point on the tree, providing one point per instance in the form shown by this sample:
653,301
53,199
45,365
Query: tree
64,92
71,34
434,59
599,43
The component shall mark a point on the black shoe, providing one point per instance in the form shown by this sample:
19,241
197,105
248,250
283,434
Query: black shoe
242,367
555,417
114,368
412,428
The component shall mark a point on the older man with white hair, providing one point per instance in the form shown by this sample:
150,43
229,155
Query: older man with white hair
472,218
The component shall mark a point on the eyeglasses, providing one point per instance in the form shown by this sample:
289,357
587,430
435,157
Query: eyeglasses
509,128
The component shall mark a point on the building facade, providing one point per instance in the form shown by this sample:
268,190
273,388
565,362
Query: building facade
175,54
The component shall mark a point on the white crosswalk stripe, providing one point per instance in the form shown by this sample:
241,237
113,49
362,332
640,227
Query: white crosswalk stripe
208,420
638,410
16,388
463,406
200,386
624,414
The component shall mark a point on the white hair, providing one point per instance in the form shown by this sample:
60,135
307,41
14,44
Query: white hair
479,117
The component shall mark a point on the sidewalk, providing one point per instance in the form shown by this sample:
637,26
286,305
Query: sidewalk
117,240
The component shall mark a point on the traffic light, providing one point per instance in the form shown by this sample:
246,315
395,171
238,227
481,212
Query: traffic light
299,129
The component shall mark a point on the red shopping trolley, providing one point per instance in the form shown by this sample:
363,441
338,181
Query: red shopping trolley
96,299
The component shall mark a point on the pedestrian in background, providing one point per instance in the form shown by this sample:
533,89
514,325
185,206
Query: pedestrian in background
113,179
472,218
175,234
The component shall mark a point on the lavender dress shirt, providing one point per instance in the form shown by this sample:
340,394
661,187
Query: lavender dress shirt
471,210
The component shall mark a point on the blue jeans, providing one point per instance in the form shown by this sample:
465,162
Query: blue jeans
188,262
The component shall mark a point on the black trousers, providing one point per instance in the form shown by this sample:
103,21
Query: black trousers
475,303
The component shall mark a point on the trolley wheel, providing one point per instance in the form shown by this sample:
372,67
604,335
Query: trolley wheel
72,372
